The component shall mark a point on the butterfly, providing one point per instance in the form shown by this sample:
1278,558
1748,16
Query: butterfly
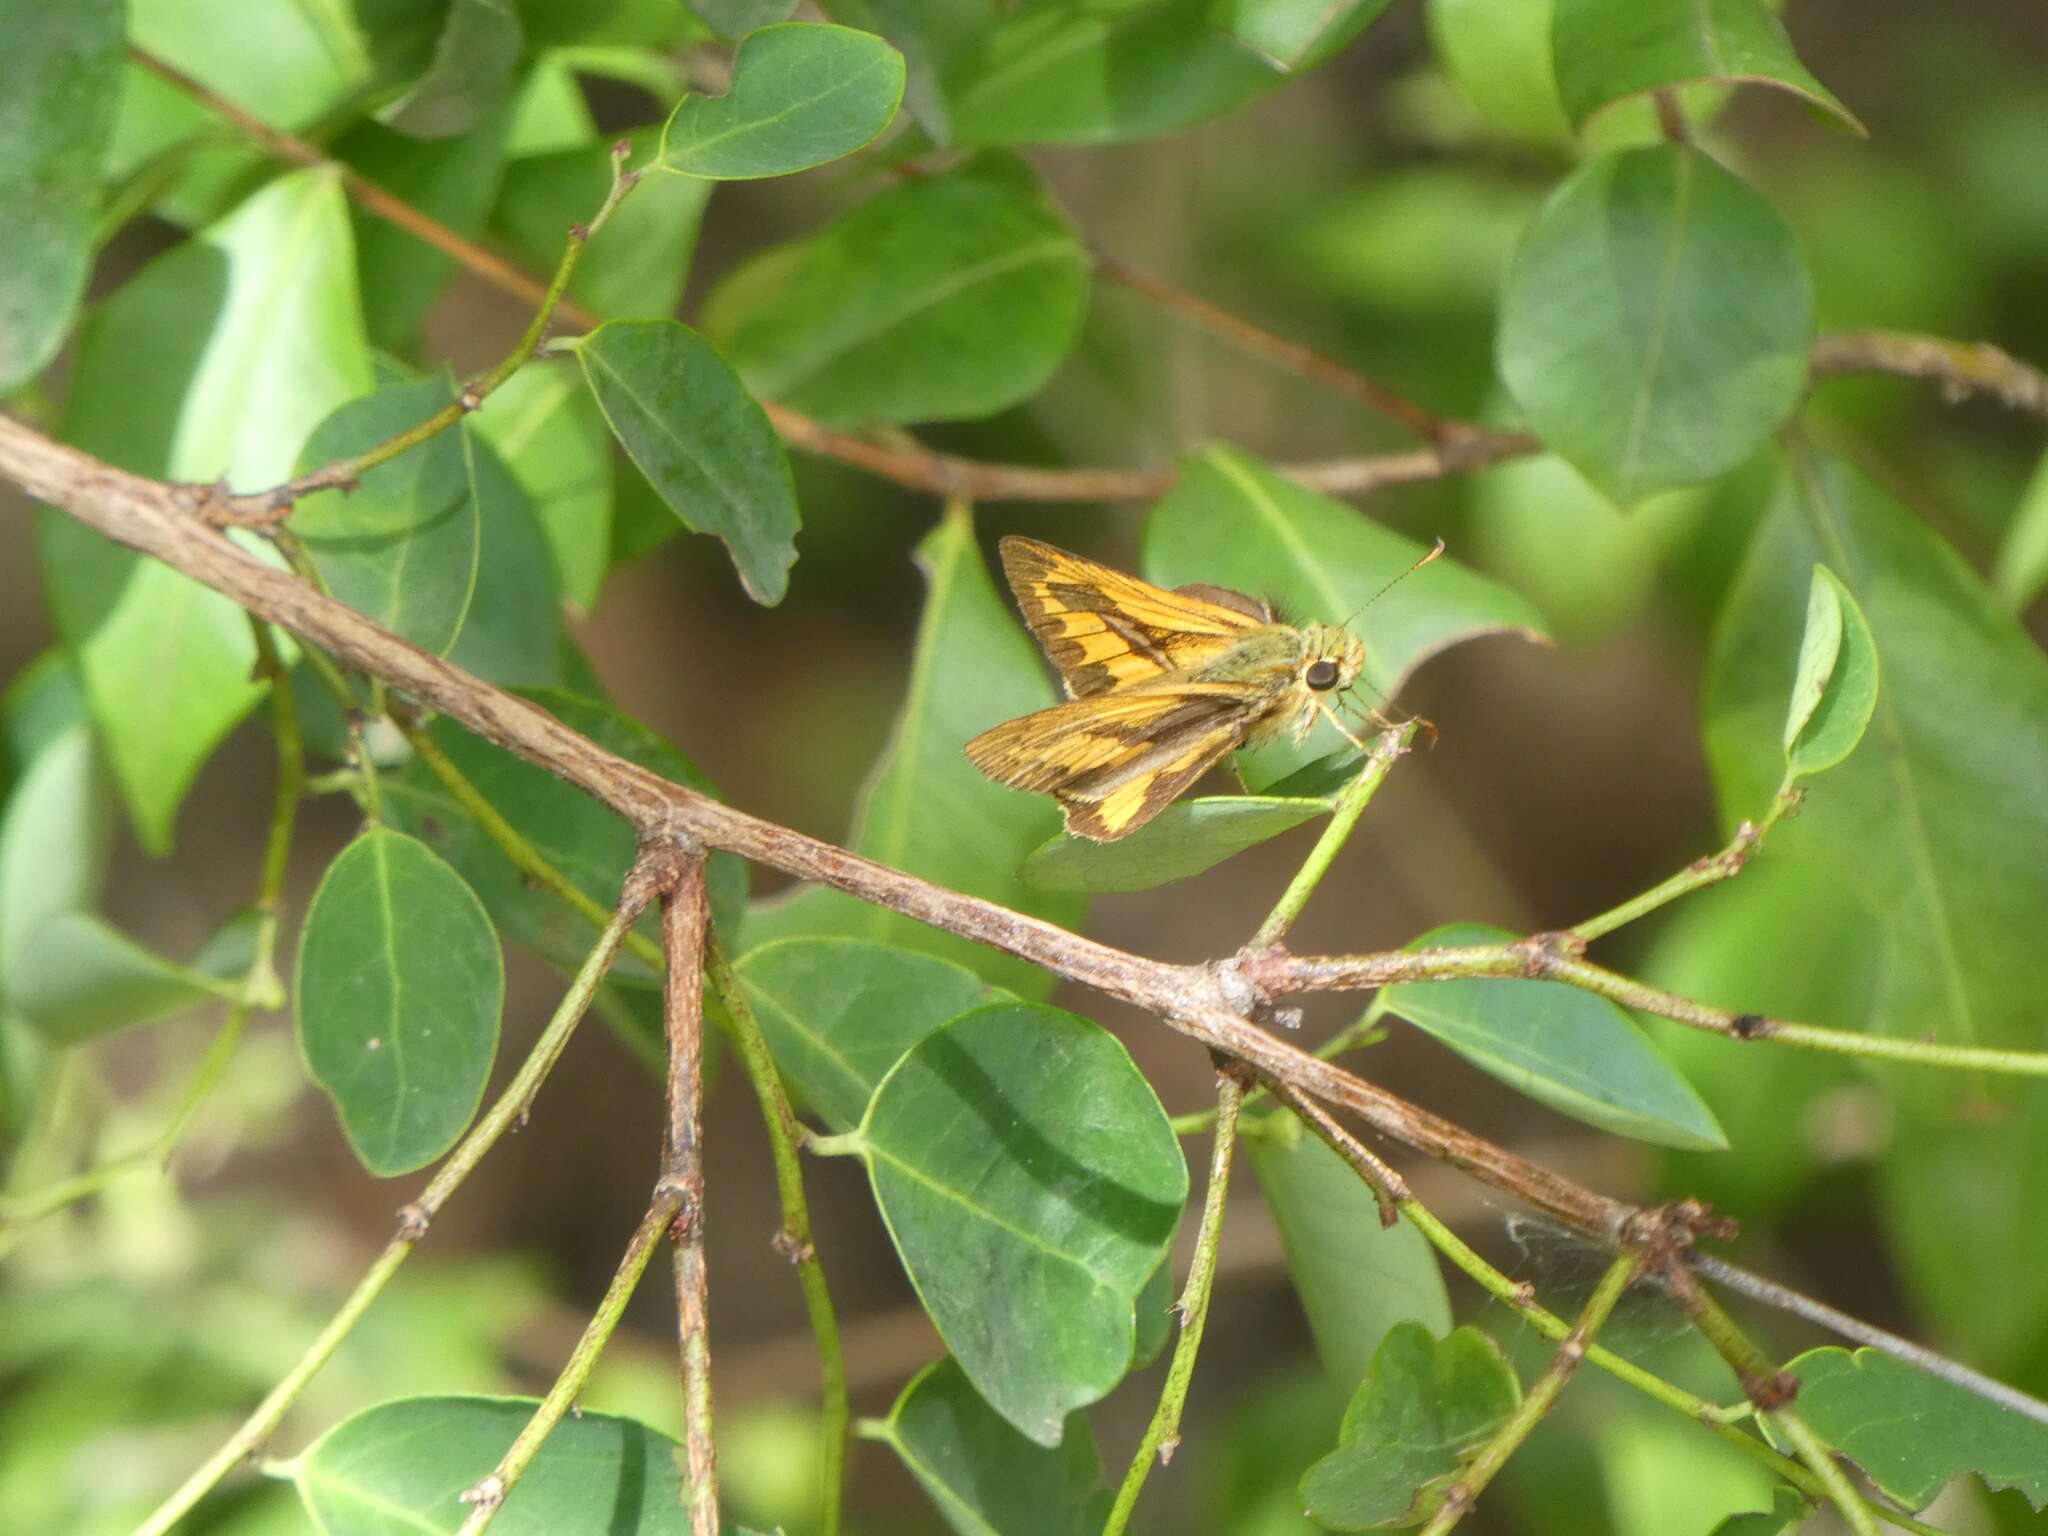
1161,686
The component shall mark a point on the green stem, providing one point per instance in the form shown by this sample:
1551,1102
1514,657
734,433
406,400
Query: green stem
736,1016
1162,1435
1862,1519
1351,804
1711,870
488,1496
414,1220
1464,1493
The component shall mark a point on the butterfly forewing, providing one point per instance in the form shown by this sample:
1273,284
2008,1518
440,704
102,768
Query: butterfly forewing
1106,631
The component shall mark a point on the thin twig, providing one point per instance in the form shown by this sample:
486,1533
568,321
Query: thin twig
1697,875
1962,368
685,920
1351,804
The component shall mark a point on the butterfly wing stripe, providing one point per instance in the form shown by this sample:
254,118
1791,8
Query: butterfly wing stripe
1054,747
1116,801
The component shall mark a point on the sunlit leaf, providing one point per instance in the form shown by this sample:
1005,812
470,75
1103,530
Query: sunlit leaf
1284,32
1835,688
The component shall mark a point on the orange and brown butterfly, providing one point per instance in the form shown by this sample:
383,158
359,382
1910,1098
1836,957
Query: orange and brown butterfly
1161,686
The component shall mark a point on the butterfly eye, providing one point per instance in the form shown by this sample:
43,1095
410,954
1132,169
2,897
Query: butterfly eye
1320,674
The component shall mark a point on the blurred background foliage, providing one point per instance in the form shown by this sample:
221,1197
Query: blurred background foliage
1368,208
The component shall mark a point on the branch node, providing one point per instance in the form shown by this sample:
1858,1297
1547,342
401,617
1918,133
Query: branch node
413,1222
793,1248
1751,1026
488,1494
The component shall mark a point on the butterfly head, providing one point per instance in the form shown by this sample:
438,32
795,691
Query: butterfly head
1332,659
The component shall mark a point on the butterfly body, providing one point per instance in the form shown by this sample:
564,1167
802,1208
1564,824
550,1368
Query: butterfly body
1162,686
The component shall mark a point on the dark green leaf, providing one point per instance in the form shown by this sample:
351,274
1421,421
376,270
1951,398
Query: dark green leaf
403,1466
54,838
925,808
64,62
701,440
1499,56
469,76
1426,1407
550,434
1356,1278
984,1477
928,33
1655,322
944,299
736,18
577,836
1284,32
1913,1433
399,989
801,95
403,546
839,1013
1835,688
1564,1047
1032,1185
80,976
1317,780
1182,840
1155,1316
1607,50
1232,521
513,635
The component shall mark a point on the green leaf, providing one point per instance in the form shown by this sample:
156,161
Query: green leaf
399,990
801,95
1655,321
945,299
1608,50
1079,72
1031,1184
79,976
984,1477
1234,522
1787,1508
634,267
701,440
736,18
1499,56
54,839
1562,1046
2022,568
513,634
217,359
1426,1407
1356,1279
1913,1433
928,33
839,1013
400,1468
403,546
580,838
469,76
1284,32
926,809
64,62
1835,688
549,433
1182,840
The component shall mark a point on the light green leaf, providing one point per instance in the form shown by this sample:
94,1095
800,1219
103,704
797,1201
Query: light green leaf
1180,841
64,65
79,976
701,440
1835,688
1356,1279
1499,56
549,433
925,808
1562,1046
839,1013
2022,568
1031,1184
1415,1421
984,1477
1284,32
399,990
54,838
1655,321
801,95
402,1467
1607,50
403,546
944,299
469,76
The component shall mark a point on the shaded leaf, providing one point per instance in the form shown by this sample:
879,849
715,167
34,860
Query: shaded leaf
736,18
944,299
1655,321
399,989
64,65
1031,1184
1182,840
701,440
928,33
839,1013
1284,32
54,839
513,633
801,95
80,976
550,435
1913,1433
1356,1279
984,1477
1426,1407
1564,1047
469,75
1835,687
404,1466
1786,1510
1607,50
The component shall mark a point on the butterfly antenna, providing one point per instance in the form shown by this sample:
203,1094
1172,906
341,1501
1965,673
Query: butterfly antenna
1429,555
